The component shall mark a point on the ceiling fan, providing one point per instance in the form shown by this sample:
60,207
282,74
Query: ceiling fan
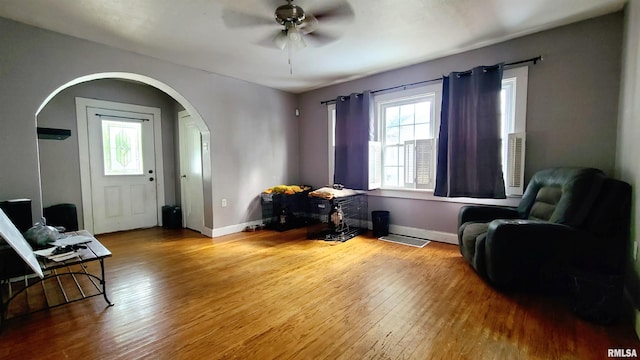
295,23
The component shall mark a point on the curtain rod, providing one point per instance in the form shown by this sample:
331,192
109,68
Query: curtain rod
122,117
534,60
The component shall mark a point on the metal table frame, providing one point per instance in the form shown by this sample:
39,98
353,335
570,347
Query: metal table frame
94,251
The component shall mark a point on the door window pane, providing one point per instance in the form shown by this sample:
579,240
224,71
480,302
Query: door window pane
122,147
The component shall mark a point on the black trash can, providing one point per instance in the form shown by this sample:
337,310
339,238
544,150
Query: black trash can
380,220
171,217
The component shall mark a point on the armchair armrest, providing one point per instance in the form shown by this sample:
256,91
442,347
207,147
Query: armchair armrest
526,247
510,232
479,213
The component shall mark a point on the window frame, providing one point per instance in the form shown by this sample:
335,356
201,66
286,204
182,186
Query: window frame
431,92
519,78
331,118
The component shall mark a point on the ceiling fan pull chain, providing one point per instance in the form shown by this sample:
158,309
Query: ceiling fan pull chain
290,50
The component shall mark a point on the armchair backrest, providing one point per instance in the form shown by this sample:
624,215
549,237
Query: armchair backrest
561,195
609,222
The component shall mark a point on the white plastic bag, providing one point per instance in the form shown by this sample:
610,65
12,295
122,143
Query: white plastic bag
40,235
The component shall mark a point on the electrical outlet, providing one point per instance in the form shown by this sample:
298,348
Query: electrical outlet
224,202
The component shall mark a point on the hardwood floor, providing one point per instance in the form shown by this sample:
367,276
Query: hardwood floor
272,295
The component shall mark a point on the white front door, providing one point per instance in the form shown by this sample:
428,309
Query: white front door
122,168
191,172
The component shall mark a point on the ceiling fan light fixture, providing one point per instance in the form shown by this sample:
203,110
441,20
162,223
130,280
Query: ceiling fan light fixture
297,44
294,34
280,41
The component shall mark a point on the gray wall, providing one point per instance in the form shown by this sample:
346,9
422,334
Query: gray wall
258,142
35,63
61,157
628,146
571,109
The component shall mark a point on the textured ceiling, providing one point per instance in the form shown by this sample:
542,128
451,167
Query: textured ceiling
382,35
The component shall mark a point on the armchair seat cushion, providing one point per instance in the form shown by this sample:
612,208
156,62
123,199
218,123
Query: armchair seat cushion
472,242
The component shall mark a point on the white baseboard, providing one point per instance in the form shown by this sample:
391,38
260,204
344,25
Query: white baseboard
433,235
232,229
207,232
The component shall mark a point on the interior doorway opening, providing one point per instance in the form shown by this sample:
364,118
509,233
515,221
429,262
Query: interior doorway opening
182,103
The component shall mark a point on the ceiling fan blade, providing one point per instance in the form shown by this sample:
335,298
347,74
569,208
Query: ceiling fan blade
320,38
272,41
338,12
309,25
275,3
235,19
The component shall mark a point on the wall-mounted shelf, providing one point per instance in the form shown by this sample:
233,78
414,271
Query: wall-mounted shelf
53,134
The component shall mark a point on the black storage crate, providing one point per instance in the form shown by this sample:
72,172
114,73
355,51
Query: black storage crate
19,212
65,215
338,219
284,212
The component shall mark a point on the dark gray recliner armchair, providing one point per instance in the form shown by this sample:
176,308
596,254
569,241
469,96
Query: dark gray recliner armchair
568,218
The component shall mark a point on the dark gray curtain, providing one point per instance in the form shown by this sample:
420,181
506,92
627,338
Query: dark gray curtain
469,148
352,134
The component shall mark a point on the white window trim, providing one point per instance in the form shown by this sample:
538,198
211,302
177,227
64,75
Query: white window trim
518,130
522,74
427,195
331,120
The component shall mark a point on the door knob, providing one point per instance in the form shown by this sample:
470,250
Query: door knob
150,179
184,176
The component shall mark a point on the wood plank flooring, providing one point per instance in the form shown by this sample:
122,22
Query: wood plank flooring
272,295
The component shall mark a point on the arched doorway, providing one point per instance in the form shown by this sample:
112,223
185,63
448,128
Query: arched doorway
148,83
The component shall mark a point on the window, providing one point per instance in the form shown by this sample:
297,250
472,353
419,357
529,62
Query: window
513,124
122,147
407,123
